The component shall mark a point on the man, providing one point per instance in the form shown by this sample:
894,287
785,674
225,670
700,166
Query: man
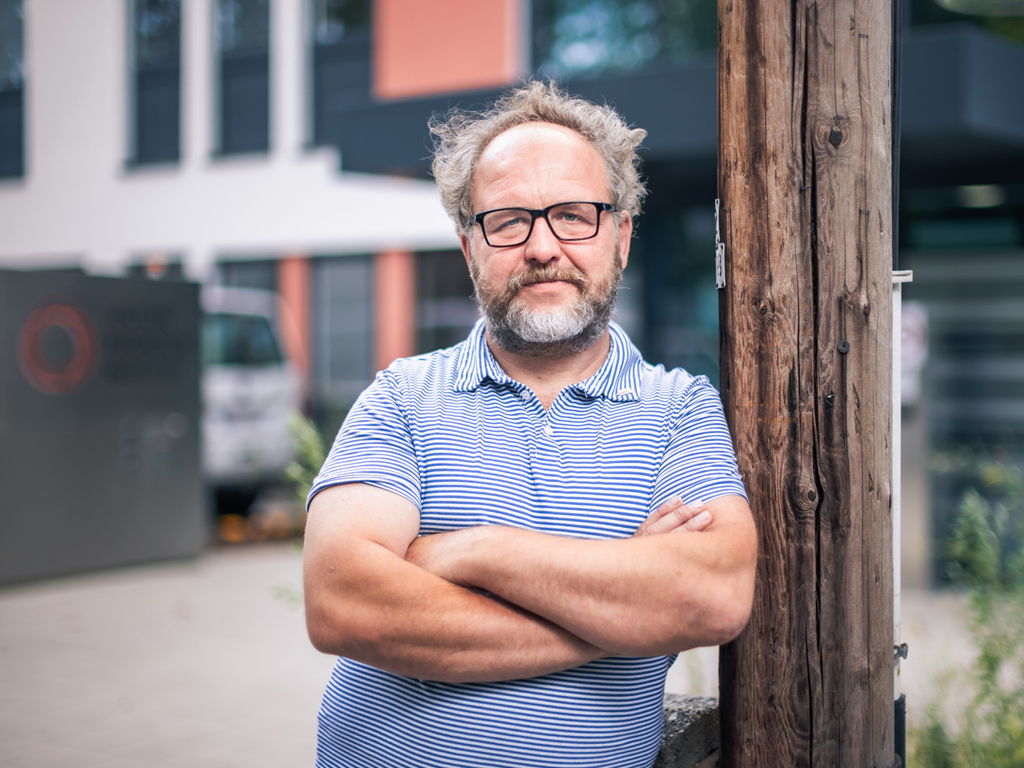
508,541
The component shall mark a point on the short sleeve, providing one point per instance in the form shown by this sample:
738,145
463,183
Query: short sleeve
699,462
374,445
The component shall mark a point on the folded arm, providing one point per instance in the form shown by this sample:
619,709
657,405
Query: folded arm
642,596
366,602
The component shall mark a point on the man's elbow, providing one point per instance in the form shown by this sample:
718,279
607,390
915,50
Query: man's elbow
322,639
731,615
323,633
724,610
733,599
332,631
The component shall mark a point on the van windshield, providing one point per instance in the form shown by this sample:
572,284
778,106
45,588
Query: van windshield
230,339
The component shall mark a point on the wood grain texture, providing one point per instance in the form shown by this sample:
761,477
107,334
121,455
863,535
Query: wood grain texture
805,185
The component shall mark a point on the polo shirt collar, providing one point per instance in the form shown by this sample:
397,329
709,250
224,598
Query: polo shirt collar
618,379
477,363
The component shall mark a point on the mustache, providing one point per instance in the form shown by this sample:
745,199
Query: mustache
549,273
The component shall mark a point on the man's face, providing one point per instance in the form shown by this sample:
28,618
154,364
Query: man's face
546,295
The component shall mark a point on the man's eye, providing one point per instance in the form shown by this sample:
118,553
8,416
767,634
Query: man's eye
573,216
506,222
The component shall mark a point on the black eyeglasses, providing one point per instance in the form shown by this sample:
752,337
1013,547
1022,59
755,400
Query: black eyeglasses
569,222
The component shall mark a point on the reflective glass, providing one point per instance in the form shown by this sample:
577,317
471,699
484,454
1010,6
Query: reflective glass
334,19
12,46
246,340
594,36
243,26
157,33
156,65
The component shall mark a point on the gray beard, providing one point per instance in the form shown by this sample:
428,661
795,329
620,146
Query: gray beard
514,327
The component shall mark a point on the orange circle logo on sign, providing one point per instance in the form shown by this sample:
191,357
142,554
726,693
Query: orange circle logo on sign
37,369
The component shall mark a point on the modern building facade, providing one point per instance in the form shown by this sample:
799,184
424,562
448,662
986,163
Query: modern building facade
170,139
283,144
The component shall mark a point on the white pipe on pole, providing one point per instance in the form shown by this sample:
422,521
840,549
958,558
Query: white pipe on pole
898,278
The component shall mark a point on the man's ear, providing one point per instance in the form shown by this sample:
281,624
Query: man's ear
467,249
625,237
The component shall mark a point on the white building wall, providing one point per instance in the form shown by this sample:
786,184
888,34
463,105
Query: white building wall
80,204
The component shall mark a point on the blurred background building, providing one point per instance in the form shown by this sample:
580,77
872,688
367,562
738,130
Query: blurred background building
282,145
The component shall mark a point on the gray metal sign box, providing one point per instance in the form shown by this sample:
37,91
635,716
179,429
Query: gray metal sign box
99,423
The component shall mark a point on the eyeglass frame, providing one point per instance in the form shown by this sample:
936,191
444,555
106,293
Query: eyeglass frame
536,213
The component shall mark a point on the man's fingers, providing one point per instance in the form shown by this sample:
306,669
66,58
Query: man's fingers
684,519
668,507
673,515
698,522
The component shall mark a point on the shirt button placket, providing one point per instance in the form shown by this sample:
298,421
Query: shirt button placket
548,457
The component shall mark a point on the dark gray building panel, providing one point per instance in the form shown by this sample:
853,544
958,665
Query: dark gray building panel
963,107
99,423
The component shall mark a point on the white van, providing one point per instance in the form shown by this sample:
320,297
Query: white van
250,390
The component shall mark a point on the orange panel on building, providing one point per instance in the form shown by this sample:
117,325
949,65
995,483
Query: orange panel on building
293,285
396,306
443,45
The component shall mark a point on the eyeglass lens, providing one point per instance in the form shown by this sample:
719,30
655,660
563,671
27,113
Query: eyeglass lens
569,221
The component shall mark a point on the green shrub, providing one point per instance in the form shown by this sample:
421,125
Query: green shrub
310,452
986,556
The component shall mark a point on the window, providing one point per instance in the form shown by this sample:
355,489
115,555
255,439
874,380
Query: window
344,342
12,89
258,275
669,290
972,394
445,310
589,37
156,80
928,12
340,63
243,58
236,339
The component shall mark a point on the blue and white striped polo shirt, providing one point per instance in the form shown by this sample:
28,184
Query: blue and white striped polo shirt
451,432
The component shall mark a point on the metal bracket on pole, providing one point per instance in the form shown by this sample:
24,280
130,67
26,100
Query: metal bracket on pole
719,253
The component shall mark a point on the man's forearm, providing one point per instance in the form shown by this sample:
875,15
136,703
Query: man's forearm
365,602
448,634
640,596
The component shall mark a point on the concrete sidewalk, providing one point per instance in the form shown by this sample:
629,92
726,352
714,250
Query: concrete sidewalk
203,664
206,664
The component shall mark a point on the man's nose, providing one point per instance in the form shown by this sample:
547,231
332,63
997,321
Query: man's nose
542,246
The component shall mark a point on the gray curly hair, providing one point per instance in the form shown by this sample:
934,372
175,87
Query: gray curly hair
461,138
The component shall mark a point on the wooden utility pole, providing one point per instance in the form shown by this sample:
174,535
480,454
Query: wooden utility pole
805,181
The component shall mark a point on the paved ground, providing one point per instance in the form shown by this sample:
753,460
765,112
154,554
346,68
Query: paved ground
206,664
203,664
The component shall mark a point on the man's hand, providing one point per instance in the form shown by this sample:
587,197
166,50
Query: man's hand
673,515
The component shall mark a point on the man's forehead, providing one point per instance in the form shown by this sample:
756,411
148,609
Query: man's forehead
532,134
536,154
